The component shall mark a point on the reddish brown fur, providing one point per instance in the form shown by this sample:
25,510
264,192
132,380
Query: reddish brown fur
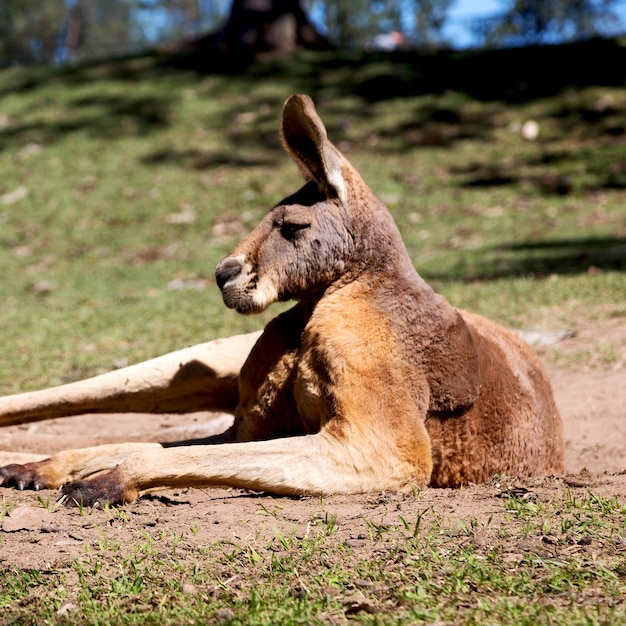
393,387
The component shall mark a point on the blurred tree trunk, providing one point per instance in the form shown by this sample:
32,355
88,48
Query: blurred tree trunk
255,26
98,29
75,29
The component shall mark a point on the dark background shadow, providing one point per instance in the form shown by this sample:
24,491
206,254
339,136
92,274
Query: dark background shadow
510,77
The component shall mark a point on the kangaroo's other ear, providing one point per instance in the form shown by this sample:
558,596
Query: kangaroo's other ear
304,138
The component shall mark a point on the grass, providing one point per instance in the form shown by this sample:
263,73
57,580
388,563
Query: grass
123,184
530,561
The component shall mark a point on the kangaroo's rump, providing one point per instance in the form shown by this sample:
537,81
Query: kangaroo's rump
512,428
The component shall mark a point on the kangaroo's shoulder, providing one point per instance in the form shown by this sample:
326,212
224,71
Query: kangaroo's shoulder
349,326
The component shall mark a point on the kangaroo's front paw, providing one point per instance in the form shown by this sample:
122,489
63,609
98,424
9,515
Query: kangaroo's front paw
96,492
26,476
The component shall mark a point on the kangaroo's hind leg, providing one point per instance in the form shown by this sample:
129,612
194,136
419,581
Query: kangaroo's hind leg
202,377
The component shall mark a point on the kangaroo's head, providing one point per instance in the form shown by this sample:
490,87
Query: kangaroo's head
326,234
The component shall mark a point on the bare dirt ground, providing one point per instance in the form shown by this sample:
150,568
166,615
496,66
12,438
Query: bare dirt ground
588,372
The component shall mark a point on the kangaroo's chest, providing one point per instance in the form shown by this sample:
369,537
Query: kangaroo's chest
279,398
279,389
311,393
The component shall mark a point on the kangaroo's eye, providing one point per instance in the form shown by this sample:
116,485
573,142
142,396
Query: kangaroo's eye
290,230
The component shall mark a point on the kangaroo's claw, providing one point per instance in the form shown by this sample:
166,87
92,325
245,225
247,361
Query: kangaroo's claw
26,476
97,492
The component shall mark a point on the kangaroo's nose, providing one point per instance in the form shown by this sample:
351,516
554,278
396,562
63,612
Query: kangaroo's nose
227,270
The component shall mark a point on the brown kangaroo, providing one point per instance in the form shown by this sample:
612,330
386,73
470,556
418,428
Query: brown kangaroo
371,382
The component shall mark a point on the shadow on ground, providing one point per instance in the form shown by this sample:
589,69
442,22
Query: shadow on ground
540,259
567,256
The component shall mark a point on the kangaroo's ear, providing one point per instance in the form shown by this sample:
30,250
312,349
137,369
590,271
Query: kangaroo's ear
304,138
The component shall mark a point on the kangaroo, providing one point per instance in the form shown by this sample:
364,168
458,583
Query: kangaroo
371,382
